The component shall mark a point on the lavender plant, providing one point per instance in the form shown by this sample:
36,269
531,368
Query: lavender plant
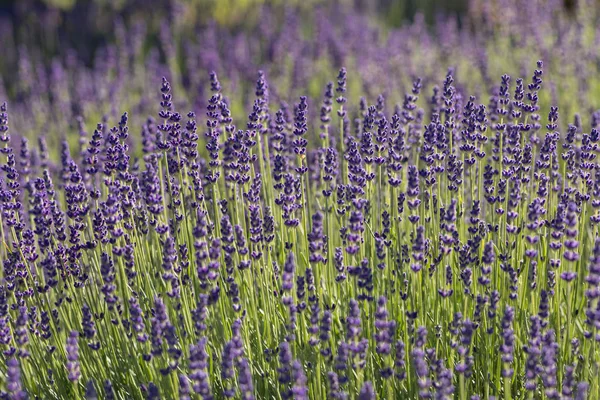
446,246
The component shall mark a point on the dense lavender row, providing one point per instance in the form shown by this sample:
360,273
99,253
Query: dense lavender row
449,251
418,243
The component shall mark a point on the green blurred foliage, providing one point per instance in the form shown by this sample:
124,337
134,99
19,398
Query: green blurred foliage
61,4
395,12
241,12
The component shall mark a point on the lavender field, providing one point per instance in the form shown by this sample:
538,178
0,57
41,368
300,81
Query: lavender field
319,206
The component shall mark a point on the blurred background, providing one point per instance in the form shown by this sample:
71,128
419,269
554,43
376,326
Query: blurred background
67,61
87,24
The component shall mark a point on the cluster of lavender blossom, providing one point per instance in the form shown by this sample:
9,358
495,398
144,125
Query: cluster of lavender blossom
443,246
248,263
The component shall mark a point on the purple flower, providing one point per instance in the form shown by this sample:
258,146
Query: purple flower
245,380
334,392
568,382
488,254
73,356
107,269
21,332
353,322
90,391
299,388
399,361
13,380
326,109
288,273
153,392
89,330
300,128
341,361
341,88
592,292
507,346
444,389
109,393
169,255
4,136
568,276
184,388
198,369
137,320
285,369
316,239
384,329
232,353
421,369
533,352
581,393
420,363
367,392
549,363
467,330
161,328
325,329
